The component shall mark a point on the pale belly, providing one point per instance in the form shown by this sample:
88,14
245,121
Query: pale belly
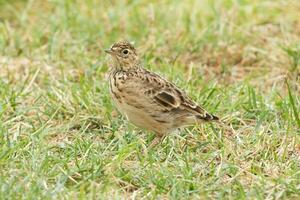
141,118
140,113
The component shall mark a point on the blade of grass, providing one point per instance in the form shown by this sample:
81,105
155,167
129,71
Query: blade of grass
293,103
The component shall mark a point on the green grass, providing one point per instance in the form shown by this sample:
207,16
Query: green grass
238,58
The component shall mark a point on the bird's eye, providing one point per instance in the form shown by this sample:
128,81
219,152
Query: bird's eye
125,51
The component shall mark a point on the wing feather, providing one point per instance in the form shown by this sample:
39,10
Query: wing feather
172,98
168,99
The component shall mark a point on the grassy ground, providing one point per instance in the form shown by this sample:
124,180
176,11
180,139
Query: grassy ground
59,137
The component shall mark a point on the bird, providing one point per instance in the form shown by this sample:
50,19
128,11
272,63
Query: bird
146,99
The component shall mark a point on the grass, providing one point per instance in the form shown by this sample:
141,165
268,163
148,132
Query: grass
60,136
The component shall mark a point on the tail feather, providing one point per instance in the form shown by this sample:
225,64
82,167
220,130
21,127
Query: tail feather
207,117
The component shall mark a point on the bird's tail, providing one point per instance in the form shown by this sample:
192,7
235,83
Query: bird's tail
207,117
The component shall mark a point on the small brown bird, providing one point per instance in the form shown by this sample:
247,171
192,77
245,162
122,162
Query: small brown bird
146,99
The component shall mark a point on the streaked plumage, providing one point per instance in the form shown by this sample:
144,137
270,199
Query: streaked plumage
145,98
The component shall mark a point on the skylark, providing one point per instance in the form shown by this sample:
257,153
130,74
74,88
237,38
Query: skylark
146,99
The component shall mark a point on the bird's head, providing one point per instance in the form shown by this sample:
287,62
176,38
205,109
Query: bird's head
123,55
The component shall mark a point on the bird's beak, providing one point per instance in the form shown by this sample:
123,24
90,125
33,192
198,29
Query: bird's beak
109,51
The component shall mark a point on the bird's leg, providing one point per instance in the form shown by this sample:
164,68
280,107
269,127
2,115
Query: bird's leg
158,139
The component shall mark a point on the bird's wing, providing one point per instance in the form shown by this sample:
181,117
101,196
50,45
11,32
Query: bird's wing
171,97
